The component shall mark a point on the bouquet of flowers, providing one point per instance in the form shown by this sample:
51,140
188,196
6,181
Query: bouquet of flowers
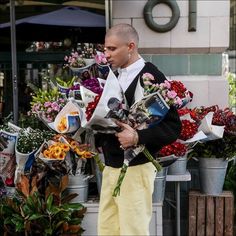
47,104
149,110
28,142
75,60
173,92
220,129
97,104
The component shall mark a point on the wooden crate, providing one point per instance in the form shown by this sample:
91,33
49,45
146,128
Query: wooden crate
211,215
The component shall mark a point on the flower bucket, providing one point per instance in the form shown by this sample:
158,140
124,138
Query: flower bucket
159,186
179,167
212,173
78,184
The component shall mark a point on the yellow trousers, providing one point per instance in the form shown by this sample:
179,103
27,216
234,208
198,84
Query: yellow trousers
130,212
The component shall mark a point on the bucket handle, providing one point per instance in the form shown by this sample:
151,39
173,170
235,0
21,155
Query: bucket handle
88,177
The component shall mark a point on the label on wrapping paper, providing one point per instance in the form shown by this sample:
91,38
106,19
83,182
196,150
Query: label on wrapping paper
7,154
69,118
150,110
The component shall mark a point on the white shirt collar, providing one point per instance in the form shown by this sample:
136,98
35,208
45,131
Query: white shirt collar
128,74
133,67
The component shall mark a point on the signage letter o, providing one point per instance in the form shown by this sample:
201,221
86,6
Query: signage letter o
147,12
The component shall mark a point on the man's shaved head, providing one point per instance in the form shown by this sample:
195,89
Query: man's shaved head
124,31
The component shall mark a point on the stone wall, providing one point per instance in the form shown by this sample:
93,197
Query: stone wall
192,57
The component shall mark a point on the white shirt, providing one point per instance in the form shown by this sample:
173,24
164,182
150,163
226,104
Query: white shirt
128,74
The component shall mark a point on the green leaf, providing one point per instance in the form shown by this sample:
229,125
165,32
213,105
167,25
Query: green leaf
36,216
73,206
49,202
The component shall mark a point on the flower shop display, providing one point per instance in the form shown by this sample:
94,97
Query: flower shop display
216,150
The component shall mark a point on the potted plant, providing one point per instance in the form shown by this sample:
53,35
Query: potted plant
41,206
215,152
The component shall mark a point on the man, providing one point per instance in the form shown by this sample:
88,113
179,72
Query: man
130,212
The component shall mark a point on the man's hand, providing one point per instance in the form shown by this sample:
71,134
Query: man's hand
128,137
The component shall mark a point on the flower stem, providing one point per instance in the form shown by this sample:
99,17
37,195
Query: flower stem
99,162
120,180
151,159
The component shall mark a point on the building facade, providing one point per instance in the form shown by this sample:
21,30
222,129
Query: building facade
191,51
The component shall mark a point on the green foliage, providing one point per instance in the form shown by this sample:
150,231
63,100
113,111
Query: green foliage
219,148
30,140
232,89
43,96
66,82
40,216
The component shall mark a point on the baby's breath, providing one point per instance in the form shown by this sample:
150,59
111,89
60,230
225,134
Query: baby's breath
30,140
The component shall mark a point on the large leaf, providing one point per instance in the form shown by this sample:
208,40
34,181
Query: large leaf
64,182
23,185
73,206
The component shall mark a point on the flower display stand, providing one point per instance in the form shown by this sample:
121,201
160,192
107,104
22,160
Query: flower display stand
211,215
89,222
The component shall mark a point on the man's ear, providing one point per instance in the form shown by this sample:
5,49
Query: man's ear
131,46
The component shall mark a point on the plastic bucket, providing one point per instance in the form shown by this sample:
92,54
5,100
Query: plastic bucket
159,186
179,167
78,184
212,173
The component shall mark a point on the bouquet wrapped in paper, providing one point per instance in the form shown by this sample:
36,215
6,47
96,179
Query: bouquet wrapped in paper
98,105
7,156
153,102
69,118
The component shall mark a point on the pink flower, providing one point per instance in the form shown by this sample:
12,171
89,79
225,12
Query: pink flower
47,104
167,83
55,106
148,76
171,94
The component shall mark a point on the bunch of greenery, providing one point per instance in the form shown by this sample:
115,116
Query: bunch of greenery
30,140
41,205
232,89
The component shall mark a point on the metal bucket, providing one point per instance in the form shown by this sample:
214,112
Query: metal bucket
78,184
159,186
212,173
179,167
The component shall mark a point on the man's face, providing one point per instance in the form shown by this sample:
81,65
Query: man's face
117,51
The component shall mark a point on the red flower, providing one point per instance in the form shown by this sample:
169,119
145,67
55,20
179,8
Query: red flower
176,148
189,129
91,107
